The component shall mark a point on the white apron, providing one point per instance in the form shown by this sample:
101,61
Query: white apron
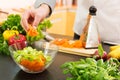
107,18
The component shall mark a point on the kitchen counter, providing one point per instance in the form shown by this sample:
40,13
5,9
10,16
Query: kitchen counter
10,71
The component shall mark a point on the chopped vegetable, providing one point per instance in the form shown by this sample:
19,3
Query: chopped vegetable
19,39
68,44
37,35
9,33
115,53
44,24
31,59
77,44
33,65
16,38
114,47
100,50
32,31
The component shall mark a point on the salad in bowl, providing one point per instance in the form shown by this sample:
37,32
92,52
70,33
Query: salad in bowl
35,57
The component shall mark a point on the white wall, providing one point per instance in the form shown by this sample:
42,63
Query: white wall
13,7
15,3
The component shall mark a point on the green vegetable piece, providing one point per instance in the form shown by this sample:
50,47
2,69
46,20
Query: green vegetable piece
100,63
91,61
13,22
30,54
4,48
100,50
43,25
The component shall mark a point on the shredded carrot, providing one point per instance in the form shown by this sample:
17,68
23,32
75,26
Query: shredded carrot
56,41
77,44
66,43
32,31
34,65
60,41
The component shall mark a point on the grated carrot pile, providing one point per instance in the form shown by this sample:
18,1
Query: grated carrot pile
33,65
66,43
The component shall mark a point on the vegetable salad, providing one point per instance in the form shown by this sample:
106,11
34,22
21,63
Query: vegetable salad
31,59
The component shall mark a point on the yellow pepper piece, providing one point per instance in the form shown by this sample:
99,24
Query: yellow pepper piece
114,47
9,33
115,53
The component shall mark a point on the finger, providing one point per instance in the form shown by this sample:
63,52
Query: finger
24,20
37,20
22,24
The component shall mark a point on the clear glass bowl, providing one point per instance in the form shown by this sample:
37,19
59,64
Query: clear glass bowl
36,58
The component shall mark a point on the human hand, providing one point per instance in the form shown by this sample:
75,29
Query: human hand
34,16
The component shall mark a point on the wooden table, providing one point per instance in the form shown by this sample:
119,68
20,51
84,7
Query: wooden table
10,71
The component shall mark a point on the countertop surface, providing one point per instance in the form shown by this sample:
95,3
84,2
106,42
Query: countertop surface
10,71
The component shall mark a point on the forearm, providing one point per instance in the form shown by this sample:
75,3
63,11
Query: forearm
46,9
50,3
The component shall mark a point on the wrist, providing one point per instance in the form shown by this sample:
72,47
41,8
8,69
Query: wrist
46,8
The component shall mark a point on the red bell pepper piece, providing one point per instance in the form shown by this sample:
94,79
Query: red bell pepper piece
19,40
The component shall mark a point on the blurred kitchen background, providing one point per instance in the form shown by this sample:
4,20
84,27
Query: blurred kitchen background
62,16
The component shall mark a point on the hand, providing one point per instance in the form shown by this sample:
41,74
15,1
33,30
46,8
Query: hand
34,16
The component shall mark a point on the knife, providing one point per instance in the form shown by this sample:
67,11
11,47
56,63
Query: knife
48,37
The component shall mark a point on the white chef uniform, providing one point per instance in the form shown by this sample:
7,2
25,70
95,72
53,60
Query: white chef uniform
107,18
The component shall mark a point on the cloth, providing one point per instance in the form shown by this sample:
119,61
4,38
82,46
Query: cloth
107,18
51,3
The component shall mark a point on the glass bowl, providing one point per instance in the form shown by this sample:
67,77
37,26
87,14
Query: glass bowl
35,57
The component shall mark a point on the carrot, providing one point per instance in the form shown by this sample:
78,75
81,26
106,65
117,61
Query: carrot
39,66
60,41
56,41
34,65
32,31
66,43
78,44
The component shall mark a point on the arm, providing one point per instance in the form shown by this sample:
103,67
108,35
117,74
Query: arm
50,3
43,8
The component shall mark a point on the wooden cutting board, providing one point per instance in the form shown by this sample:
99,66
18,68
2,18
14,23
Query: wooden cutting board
78,51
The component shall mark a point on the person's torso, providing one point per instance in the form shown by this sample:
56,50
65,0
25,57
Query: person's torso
107,18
